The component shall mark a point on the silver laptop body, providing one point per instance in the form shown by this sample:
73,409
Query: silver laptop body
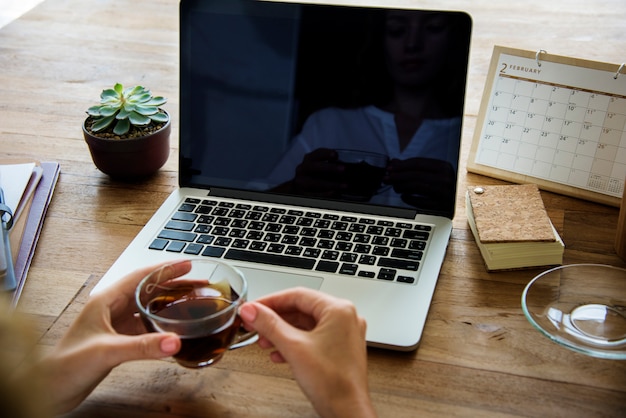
271,97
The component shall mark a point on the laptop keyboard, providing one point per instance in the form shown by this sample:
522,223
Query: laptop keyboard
358,246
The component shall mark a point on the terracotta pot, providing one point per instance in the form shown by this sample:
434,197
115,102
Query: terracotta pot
130,158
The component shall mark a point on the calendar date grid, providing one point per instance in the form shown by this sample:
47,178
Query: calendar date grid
573,136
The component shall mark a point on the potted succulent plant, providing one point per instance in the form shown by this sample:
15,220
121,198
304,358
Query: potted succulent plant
128,132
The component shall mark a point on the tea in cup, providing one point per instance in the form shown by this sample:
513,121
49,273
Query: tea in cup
201,306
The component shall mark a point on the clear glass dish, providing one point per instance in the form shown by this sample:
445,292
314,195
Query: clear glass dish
581,307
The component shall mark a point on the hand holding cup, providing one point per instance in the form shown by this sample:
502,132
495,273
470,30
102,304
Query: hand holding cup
201,306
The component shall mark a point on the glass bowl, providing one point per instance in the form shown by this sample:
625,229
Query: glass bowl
581,307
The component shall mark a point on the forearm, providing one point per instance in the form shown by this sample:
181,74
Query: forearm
356,404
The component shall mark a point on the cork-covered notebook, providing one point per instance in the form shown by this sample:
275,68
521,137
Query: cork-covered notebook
511,227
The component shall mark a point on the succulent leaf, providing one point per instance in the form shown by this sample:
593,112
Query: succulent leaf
159,117
94,111
156,101
108,94
108,110
138,119
123,114
131,91
121,127
140,98
146,110
101,124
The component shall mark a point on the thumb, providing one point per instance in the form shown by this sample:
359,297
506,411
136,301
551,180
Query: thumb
152,345
267,323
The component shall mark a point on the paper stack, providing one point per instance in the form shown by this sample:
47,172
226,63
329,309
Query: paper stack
512,228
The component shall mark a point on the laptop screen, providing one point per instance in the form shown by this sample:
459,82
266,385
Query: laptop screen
335,104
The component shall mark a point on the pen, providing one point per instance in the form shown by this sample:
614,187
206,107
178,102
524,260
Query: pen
7,274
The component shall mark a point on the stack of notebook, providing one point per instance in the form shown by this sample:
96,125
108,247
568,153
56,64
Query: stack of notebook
512,228
28,188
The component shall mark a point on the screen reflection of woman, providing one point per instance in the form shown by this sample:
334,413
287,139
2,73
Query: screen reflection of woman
413,115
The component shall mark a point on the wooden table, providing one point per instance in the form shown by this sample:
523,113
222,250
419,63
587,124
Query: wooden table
479,355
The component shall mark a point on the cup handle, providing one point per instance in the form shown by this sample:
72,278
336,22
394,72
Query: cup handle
244,340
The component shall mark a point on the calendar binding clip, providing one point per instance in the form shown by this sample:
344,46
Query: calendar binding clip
539,52
619,70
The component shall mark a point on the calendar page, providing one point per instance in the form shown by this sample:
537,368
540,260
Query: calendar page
555,121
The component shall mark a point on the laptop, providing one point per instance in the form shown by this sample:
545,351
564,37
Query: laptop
319,147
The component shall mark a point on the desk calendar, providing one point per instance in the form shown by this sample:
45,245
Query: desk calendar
555,121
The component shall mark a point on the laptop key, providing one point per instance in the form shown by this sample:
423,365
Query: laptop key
413,234
205,219
293,250
205,239
349,257
186,207
417,245
356,228
330,255
405,279
398,263
348,268
343,246
369,260
175,246
311,252
202,229
398,243
386,274
202,209
158,244
275,248
193,248
223,241
327,266
184,216
258,245
180,225
407,254
266,258
177,235
240,243
210,251
381,251
380,240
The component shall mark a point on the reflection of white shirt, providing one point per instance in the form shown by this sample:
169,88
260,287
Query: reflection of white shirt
369,129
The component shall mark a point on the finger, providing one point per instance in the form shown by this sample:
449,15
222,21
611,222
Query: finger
124,348
118,296
270,326
276,357
298,301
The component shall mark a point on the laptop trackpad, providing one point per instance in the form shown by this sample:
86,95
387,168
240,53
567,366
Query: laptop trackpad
263,282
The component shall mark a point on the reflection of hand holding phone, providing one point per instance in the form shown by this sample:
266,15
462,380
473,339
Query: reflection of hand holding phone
422,182
362,174
318,174
342,173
